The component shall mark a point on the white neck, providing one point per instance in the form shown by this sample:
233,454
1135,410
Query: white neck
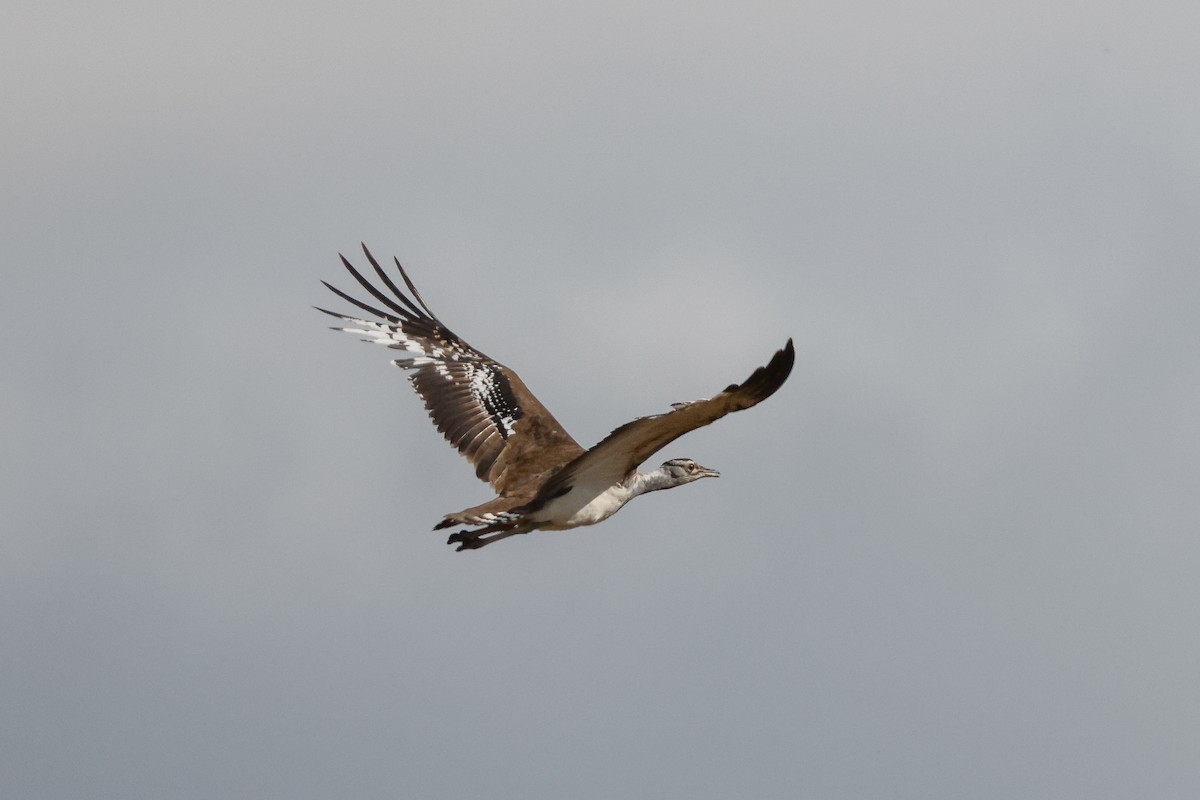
652,481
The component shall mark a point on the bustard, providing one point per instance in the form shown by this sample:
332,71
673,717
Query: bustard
543,479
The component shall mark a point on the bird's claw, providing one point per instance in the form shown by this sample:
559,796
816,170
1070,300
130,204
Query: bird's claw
465,540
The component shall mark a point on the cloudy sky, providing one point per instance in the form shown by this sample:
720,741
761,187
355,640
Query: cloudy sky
955,556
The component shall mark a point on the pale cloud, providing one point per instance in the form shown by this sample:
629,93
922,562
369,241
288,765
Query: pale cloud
952,557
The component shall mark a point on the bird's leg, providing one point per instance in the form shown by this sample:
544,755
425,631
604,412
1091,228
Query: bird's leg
473,540
462,536
469,540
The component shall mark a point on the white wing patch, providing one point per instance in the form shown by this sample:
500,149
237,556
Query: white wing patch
493,397
482,379
394,337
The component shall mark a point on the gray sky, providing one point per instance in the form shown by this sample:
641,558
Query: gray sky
955,556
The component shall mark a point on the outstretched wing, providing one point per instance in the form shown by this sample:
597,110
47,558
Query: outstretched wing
481,406
624,449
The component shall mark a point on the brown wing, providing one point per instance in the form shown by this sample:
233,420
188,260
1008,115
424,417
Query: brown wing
481,406
625,448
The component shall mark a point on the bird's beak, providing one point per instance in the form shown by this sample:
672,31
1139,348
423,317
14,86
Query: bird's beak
705,472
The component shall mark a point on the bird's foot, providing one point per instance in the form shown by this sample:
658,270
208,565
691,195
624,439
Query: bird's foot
466,540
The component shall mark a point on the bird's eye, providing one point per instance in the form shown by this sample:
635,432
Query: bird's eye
691,466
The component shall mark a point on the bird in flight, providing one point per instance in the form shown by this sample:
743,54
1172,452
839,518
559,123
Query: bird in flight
543,479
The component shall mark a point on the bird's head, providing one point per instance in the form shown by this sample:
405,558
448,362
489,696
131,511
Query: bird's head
685,470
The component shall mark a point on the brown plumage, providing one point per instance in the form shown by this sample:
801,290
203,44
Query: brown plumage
542,477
